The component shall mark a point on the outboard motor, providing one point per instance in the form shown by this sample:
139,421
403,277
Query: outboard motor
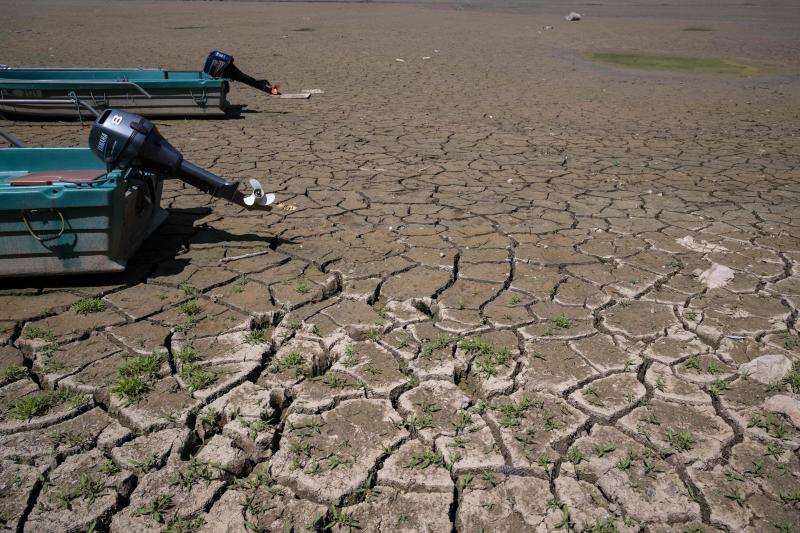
122,140
220,65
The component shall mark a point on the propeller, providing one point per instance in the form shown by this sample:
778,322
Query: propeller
257,198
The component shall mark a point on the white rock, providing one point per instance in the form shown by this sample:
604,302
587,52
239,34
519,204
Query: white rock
716,276
573,16
767,368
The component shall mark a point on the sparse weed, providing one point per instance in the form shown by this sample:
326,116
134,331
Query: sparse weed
39,403
157,508
488,357
196,377
301,287
769,422
792,378
143,365
88,305
340,519
256,336
38,332
193,472
88,488
135,377
149,462
294,361
333,380
681,440
440,343
12,373
190,308
511,412
423,459
69,439
562,322
603,449
180,524
186,355
575,455
132,389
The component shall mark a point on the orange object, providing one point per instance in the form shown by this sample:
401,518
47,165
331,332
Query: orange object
48,178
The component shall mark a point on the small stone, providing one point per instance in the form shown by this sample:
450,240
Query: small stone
766,369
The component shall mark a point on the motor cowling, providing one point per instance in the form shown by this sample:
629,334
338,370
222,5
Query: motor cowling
123,140
220,65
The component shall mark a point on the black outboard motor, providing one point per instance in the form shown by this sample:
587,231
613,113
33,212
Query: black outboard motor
220,65
122,140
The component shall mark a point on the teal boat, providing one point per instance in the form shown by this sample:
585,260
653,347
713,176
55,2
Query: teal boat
87,210
63,212
56,92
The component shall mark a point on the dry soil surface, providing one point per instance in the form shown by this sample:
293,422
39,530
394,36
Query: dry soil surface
508,289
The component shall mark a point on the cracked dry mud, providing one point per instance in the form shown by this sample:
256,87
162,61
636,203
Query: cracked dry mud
470,320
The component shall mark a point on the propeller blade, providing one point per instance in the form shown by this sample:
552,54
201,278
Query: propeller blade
257,197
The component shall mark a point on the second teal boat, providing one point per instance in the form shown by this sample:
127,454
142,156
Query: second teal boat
52,92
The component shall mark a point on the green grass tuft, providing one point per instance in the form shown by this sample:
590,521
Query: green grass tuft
194,471
256,336
88,488
562,322
424,458
135,377
132,389
792,378
186,355
190,308
88,305
141,365
692,65
157,508
294,361
681,440
197,378
12,373
301,287
38,332
488,357
39,403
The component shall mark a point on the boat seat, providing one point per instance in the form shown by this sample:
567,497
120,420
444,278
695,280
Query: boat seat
54,176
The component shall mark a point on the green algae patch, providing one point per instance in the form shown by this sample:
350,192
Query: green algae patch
693,65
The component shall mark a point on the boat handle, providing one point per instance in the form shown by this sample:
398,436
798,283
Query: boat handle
78,82
10,138
33,233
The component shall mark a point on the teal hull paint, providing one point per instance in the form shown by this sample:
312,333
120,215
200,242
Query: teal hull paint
33,78
104,222
148,92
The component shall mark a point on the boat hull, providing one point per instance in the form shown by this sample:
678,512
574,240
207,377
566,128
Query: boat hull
152,93
74,226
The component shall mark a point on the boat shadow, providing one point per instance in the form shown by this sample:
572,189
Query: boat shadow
160,256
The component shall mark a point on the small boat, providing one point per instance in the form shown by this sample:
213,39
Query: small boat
64,213
54,92
87,210
151,92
